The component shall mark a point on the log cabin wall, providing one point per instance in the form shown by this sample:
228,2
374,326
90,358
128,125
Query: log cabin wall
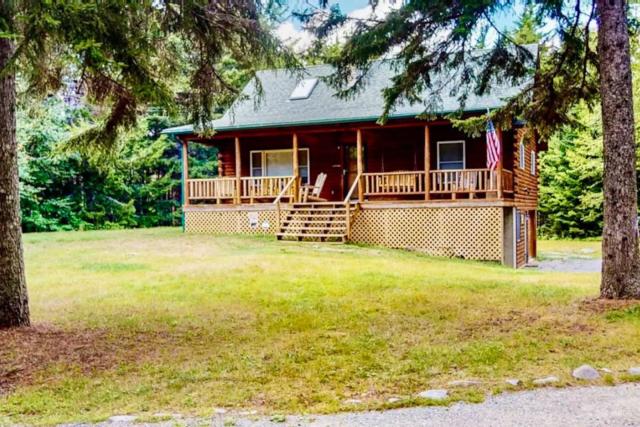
475,148
525,184
525,194
389,150
226,158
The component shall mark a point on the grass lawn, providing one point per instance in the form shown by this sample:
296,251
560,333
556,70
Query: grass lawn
555,249
152,321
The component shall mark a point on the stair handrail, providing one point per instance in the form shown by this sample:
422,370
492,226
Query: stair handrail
281,195
347,205
347,199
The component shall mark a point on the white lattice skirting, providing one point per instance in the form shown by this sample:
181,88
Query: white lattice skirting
466,232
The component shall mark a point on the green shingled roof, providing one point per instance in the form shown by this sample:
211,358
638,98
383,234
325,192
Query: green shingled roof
275,109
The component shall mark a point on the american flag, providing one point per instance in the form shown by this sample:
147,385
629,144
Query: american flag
493,146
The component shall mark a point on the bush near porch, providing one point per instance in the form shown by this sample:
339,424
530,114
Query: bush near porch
147,321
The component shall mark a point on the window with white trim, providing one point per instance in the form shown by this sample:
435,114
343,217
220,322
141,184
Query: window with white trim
279,163
451,155
522,154
533,162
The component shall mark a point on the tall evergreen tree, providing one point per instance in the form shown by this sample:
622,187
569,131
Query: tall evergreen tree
122,54
432,37
571,179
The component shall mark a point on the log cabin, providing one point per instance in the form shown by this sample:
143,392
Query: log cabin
296,162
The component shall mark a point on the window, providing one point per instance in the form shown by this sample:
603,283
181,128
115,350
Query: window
303,89
451,155
522,154
279,163
533,162
518,225
256,163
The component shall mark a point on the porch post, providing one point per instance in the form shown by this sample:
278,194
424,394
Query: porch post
427,163
499,168
296,169
238,197
185,173
360,165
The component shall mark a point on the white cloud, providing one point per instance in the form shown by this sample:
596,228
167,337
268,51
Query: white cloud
301,39
298,40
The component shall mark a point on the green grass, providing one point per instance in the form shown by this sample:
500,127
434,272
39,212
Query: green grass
158,321
554,249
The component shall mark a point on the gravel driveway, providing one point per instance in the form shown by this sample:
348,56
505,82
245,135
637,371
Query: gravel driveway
571,265
578,406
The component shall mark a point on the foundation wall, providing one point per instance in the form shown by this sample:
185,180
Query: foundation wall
465,232
256,219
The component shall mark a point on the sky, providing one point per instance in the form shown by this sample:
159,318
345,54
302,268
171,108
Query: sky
290,31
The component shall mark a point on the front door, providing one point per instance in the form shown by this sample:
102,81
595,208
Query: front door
349,168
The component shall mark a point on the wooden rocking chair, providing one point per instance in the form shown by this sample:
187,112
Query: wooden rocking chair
311,193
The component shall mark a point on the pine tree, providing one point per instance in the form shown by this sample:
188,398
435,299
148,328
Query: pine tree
431,38
123,56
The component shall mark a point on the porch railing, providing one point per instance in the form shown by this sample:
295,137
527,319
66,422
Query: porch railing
393,183
264,187
225,188
463,181
507,181
374,184
212,188
441,182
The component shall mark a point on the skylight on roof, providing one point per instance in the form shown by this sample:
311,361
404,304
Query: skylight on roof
303,89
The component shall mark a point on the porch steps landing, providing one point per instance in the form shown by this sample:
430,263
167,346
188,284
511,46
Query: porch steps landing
320,222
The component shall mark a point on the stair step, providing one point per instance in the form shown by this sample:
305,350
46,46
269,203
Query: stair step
318,208
300,222
320,236
302,228
317,218
324,221
322,204
341,215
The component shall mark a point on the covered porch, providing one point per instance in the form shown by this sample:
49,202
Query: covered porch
410,161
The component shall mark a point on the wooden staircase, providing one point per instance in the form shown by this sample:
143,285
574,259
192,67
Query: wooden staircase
320,222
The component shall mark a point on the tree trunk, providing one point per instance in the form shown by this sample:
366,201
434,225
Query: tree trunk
620,262
14,302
